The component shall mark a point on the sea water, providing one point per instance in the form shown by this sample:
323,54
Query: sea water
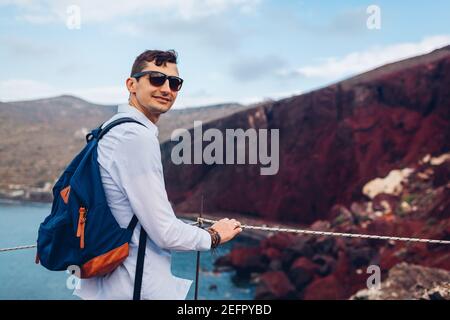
21,278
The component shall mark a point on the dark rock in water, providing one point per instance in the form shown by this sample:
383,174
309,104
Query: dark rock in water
302,272
212,287
275,285
327,288
407,281
360,256
301,248
276,265
248,260
272,253
223,263
279,241
326,264
325,245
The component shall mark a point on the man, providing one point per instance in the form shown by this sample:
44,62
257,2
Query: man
129,158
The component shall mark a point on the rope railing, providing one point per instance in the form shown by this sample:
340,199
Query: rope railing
18,248
31,246
330,233
200,221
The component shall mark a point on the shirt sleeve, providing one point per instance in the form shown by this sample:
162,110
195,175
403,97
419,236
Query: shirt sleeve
137,165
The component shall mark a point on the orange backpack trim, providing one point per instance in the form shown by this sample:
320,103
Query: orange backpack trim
81,225
105,263
65,194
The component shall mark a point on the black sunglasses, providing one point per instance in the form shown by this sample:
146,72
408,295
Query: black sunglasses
157,79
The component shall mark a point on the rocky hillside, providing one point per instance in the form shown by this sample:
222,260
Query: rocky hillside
332,141
39,138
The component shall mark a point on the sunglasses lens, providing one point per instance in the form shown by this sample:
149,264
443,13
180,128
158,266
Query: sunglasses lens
175,84
157,79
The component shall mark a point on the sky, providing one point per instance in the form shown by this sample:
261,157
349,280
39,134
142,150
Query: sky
241,51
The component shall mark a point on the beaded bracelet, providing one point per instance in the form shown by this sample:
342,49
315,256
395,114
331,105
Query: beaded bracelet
215,237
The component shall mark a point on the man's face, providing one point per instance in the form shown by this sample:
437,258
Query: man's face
154,99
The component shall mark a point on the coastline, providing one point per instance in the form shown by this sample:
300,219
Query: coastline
257,235
21,201
37,197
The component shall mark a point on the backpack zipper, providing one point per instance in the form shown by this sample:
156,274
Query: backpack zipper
81,224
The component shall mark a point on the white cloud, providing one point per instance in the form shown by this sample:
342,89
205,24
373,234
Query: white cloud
22,89
357,62
105,10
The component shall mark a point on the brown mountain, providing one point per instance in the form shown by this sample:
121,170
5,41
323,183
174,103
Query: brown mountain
332,141
39,137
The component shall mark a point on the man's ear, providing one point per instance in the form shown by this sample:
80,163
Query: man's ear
131,84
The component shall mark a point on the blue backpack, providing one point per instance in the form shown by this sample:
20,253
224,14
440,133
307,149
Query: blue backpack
81,230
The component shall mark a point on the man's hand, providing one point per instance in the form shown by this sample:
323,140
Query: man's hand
227,229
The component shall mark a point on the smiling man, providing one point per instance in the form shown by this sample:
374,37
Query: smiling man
130,165
150,93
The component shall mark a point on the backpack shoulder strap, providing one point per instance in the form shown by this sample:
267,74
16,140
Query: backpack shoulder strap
140,259
143,235
133,223
115,123
140,265
98,133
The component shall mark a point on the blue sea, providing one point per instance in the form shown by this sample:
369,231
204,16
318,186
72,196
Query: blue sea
21,278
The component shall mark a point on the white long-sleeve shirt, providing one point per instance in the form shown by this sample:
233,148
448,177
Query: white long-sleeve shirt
129,158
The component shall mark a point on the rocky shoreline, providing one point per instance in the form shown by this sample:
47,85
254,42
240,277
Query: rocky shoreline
29,194
287,266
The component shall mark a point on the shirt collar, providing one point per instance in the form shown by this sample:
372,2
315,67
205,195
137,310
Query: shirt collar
138,115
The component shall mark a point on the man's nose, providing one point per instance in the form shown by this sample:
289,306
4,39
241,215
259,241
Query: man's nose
165,88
